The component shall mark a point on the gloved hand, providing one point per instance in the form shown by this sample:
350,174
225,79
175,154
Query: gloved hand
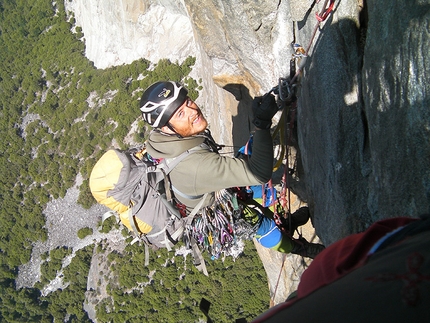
264,108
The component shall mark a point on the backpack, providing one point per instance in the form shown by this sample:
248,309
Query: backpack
138,191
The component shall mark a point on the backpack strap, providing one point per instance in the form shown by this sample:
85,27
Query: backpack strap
189,197
196,209
199,261
169,238
172,209
146,254
171,163
108,214
133,225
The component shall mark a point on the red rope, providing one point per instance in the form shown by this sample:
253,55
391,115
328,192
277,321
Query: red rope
325,12
284,256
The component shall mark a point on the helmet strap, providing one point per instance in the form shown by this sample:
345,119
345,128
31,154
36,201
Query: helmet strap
169,125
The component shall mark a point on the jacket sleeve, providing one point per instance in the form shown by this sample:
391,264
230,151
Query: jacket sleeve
204,172
261,161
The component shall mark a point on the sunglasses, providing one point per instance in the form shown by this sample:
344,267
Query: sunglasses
188,102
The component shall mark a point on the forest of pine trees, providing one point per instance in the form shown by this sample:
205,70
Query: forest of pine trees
45,76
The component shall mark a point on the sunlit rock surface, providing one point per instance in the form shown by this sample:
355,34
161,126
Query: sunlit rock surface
363,117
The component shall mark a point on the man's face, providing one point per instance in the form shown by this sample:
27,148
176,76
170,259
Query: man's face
188,119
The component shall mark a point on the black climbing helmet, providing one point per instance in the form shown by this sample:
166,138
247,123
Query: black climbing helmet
160,101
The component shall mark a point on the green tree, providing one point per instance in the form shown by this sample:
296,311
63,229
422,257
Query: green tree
84,232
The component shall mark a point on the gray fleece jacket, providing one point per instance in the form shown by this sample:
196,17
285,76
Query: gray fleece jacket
205,171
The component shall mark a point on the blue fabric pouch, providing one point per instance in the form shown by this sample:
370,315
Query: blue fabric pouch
268,233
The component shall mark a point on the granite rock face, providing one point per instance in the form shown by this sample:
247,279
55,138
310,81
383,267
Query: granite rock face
118,32
363,117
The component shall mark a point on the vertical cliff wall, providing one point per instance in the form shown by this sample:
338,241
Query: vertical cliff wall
363,118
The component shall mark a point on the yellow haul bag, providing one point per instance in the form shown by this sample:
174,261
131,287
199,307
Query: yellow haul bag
132,185
112,185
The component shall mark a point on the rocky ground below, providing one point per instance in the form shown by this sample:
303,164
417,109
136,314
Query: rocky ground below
64,218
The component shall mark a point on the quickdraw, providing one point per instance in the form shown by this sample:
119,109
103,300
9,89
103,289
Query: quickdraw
219,227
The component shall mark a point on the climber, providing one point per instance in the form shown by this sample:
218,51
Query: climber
179,125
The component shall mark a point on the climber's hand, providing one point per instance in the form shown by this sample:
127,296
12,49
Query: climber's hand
264,108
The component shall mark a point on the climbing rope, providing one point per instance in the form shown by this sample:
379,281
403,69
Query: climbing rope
286,90
325,11
284,257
